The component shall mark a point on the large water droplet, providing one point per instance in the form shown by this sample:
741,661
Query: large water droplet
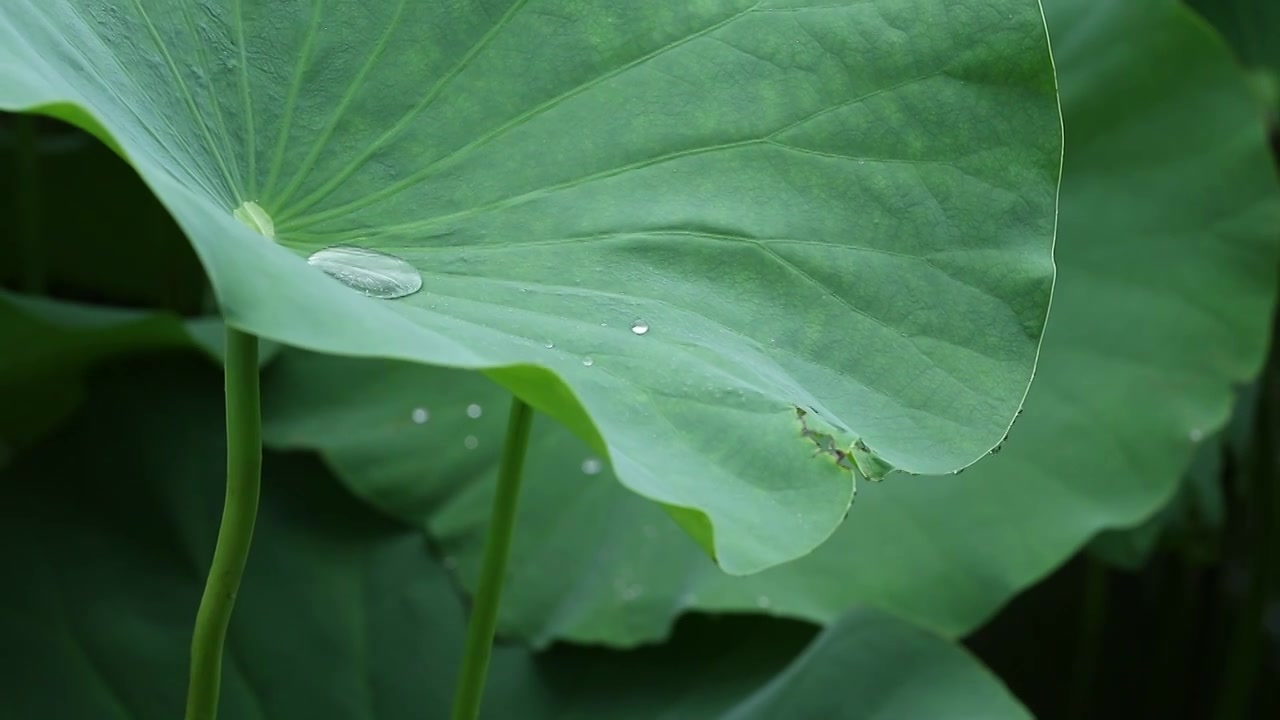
474,411
471,442
374,273
420,415
592,466
251,213
639,327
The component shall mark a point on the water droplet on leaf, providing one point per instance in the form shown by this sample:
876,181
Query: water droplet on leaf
474,411
471,442
763,602
639,327
420,415
587,361
1196,435
374,273
592,466
548,345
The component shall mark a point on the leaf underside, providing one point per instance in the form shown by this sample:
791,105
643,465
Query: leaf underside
847,208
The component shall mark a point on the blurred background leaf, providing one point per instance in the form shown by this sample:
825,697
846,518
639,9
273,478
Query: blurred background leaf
345,613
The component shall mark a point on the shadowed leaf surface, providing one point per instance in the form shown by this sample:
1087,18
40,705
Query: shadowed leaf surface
344,613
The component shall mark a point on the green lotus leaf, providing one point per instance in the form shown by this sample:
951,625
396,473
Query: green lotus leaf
1166,284
847,208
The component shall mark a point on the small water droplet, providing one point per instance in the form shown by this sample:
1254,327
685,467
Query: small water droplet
474,411
548,345
471,442
1196,435
420,415
588,361
592,466
374,273
639,327
763,602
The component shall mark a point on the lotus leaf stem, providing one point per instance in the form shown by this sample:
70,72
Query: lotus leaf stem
244,480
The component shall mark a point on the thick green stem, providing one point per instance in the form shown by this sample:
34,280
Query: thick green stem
502,520
28,152
244,477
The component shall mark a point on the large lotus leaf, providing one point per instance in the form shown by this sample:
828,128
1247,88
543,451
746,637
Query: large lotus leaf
344,614
842,207
1167,256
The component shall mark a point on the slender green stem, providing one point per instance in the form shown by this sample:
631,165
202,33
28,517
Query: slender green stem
28,151
244,477
502,520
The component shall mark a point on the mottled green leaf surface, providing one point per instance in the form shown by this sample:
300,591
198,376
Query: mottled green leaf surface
847,207
1167,257
344,613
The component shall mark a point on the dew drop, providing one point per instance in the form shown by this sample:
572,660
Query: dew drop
592,466
471,442
251,214
588,361
374,273
420,415
763,602
474,411
639,327
1196,435
548,345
